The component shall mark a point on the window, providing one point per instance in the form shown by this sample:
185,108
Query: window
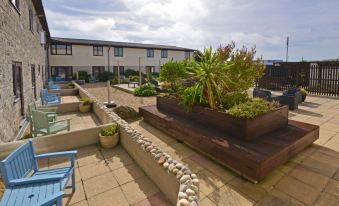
187,54
97,71
163,53
30,13
118,51
17,79
150,52
97,51
61,49
15,3
121,69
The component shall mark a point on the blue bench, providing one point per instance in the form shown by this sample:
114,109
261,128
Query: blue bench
25,181
48,99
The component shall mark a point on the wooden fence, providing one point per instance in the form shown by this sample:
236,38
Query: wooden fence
320,78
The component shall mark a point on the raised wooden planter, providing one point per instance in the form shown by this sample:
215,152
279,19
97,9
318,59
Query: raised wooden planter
236,127
253,160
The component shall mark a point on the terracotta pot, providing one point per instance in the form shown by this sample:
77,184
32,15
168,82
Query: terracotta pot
84,108
109,141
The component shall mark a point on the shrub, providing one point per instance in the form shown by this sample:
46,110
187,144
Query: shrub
114,81
231,99
145,90
105,76
86,101
83,75
134,78
303,91
173,73
210,75
71,85
109,131
252,108
131,72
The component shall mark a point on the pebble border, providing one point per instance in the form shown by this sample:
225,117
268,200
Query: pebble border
189,183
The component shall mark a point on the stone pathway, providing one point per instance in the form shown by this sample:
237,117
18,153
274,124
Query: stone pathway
99,90
311,178
108,177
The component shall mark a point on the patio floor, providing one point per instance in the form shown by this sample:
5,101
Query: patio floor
80,120
311,178
69,99
108,177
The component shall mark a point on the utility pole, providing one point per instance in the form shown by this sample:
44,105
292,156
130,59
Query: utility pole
287,45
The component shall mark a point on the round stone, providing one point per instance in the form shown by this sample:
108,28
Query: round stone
190,192
179,174
184,202
184,178
182,195
179,166
171,167
162,159
195,182
194,188
194,176
175,170
165,165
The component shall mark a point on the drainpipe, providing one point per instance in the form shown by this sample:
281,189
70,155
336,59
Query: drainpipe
108,60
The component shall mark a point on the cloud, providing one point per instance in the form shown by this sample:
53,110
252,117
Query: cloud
313,26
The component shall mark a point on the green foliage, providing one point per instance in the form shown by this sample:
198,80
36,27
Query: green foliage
109,131
145,90
210,75
231,99
114,80
244,68
134,78
86,101
131,72
189,97
83,75
303,91
173,73
71,85
252,108
105,76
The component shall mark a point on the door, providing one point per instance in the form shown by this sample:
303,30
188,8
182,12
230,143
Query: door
97,71
33,78
18,85
62,73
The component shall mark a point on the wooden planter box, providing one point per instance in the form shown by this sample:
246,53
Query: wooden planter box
236,127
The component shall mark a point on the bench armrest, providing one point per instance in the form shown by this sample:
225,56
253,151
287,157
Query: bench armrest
57,154
48,109
39,179
51,199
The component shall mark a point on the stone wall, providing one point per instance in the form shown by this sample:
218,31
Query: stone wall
18,43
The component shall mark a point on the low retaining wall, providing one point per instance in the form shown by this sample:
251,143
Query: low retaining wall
57,142
173,178
64,92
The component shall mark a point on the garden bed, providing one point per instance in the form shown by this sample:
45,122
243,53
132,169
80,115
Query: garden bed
236,127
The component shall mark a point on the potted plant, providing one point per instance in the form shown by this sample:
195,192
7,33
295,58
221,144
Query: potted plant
109,136
71,85
303,94
85,104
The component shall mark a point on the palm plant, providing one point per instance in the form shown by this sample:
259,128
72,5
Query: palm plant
210,74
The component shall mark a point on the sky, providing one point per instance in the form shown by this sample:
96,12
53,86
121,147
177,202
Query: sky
312,25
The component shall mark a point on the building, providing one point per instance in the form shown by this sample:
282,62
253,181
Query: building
68,56
271,62
23,57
